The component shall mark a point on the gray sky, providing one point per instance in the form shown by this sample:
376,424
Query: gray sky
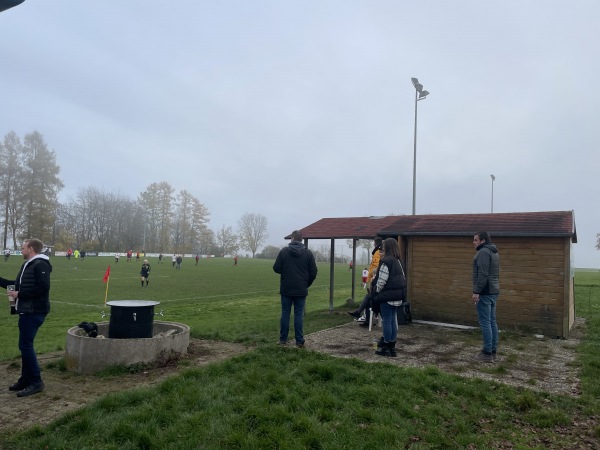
299,110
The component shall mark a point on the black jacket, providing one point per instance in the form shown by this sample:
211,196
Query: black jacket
486,270
298,269
33,284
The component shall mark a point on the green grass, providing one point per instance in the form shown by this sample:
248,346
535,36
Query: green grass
217,300
284,398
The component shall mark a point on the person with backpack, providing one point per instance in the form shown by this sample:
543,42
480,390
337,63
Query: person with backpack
390,291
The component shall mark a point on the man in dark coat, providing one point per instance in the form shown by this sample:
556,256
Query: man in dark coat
32,304
298,269
486,288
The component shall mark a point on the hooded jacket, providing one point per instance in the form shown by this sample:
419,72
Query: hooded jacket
374,263
33,285
486,270
298,269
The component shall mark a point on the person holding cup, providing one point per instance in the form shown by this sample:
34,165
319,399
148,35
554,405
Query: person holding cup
31,295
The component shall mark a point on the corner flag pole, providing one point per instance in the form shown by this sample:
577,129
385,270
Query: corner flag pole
106,279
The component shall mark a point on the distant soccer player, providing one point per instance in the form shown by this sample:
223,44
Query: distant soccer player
365,277
145,272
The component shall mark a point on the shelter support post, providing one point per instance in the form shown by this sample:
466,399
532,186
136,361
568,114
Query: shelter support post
331,273
354,241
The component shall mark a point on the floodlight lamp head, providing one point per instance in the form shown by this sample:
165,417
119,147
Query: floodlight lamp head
415,81
423,94
6,4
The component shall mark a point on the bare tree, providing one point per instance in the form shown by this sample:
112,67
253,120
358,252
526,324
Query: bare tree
207,243
190,221
252,231
157,204
269,252
12,164
361,243
227,241
96,220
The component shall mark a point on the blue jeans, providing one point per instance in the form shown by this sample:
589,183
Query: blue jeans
284,323
486,310
29,325
390,325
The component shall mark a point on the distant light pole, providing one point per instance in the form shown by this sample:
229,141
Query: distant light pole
493,179
420,94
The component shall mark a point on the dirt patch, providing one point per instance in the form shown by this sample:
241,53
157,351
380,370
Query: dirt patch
523,360
526,361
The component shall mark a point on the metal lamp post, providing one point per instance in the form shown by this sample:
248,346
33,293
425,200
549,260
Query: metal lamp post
420,94
493,179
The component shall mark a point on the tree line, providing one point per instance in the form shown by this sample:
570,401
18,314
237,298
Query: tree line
158,220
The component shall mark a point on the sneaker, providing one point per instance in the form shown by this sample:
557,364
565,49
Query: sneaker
362,319
31,389
354,314
18,386
282,343
299,345
484,357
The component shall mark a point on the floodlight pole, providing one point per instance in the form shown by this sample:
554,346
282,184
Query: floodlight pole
420,94
493,179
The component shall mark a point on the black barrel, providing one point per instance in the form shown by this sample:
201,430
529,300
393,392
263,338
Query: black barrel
131,319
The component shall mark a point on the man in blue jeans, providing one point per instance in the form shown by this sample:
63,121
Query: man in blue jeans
486,288
298,269
32,303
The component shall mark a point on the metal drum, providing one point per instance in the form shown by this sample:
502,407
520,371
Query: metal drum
131,319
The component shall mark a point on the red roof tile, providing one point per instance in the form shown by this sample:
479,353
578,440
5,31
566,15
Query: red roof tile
347,227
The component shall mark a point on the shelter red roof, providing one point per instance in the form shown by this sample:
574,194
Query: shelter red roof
549,223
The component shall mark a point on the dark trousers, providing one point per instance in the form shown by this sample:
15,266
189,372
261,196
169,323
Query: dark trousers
365,305
29,325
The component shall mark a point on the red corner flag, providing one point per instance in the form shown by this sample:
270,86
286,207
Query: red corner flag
106,275
106,279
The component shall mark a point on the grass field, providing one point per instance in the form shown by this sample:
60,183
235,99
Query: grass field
281,398
217,300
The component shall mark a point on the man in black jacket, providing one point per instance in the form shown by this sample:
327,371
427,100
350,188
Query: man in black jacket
486,288
298,269
32,290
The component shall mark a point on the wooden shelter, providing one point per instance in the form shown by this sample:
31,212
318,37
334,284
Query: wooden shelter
536,269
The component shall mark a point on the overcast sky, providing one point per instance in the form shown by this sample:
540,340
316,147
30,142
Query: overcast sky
299,110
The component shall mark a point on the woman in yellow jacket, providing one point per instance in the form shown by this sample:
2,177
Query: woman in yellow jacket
364,305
